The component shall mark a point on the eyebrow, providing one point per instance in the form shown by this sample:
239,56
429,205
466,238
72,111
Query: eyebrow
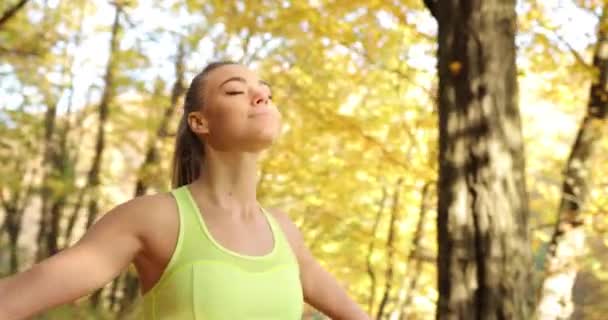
241,79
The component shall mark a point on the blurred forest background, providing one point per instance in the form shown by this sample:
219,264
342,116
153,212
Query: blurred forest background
90,94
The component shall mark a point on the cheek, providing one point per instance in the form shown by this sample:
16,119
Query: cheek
225,117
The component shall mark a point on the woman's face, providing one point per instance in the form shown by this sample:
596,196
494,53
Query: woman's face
238,111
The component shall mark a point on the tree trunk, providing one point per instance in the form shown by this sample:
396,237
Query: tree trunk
567,245
370,251
414,265
53,202
45,245
13,218
14,208
484,253
131,283
391,248
69,230
104,106
177,91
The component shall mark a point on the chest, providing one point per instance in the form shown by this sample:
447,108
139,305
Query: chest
253,237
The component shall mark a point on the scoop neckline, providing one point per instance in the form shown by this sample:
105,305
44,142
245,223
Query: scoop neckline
222,248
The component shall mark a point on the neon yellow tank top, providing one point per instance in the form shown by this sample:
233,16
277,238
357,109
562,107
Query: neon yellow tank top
205,281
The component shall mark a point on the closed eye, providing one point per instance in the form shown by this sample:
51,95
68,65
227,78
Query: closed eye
233,93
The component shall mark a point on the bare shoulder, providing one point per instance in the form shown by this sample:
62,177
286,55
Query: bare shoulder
150,209
141,214
146,206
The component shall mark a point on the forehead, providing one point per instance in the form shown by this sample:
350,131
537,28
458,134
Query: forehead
221,74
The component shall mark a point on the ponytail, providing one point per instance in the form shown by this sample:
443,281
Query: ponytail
189,148
188,156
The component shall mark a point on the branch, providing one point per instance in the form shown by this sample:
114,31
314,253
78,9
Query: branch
579,57
19,52
8,14
398,72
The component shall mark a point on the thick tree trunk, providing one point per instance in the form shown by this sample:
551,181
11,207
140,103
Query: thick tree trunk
104,108
568,242
484,253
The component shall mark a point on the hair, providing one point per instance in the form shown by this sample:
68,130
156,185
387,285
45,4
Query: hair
189,148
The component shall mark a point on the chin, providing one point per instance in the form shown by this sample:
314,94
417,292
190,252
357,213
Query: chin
262,143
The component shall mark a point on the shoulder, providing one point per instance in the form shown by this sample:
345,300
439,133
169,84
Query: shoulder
143,213
146,205
133,221
149,203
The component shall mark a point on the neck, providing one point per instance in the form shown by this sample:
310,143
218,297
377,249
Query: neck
229,180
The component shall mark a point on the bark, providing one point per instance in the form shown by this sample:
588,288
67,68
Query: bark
56,161
391,248
53,201
68,159
484,253
370,251
567,245
46,246
11,12
93,181
14,207
14,217
104,108
69,231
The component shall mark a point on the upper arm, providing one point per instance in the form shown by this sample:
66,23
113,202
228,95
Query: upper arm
100,255
320,288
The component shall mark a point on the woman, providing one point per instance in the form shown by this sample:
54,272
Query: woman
206,250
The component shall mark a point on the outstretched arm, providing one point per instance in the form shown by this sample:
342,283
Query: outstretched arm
103,252
321,290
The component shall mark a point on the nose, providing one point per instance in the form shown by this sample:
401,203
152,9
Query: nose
260,98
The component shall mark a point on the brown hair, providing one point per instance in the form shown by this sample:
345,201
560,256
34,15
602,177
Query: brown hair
189,148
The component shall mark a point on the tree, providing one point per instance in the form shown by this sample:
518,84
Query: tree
94,173
484,254
151,163
567,244
17,171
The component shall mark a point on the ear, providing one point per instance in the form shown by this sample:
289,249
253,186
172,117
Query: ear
198,123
